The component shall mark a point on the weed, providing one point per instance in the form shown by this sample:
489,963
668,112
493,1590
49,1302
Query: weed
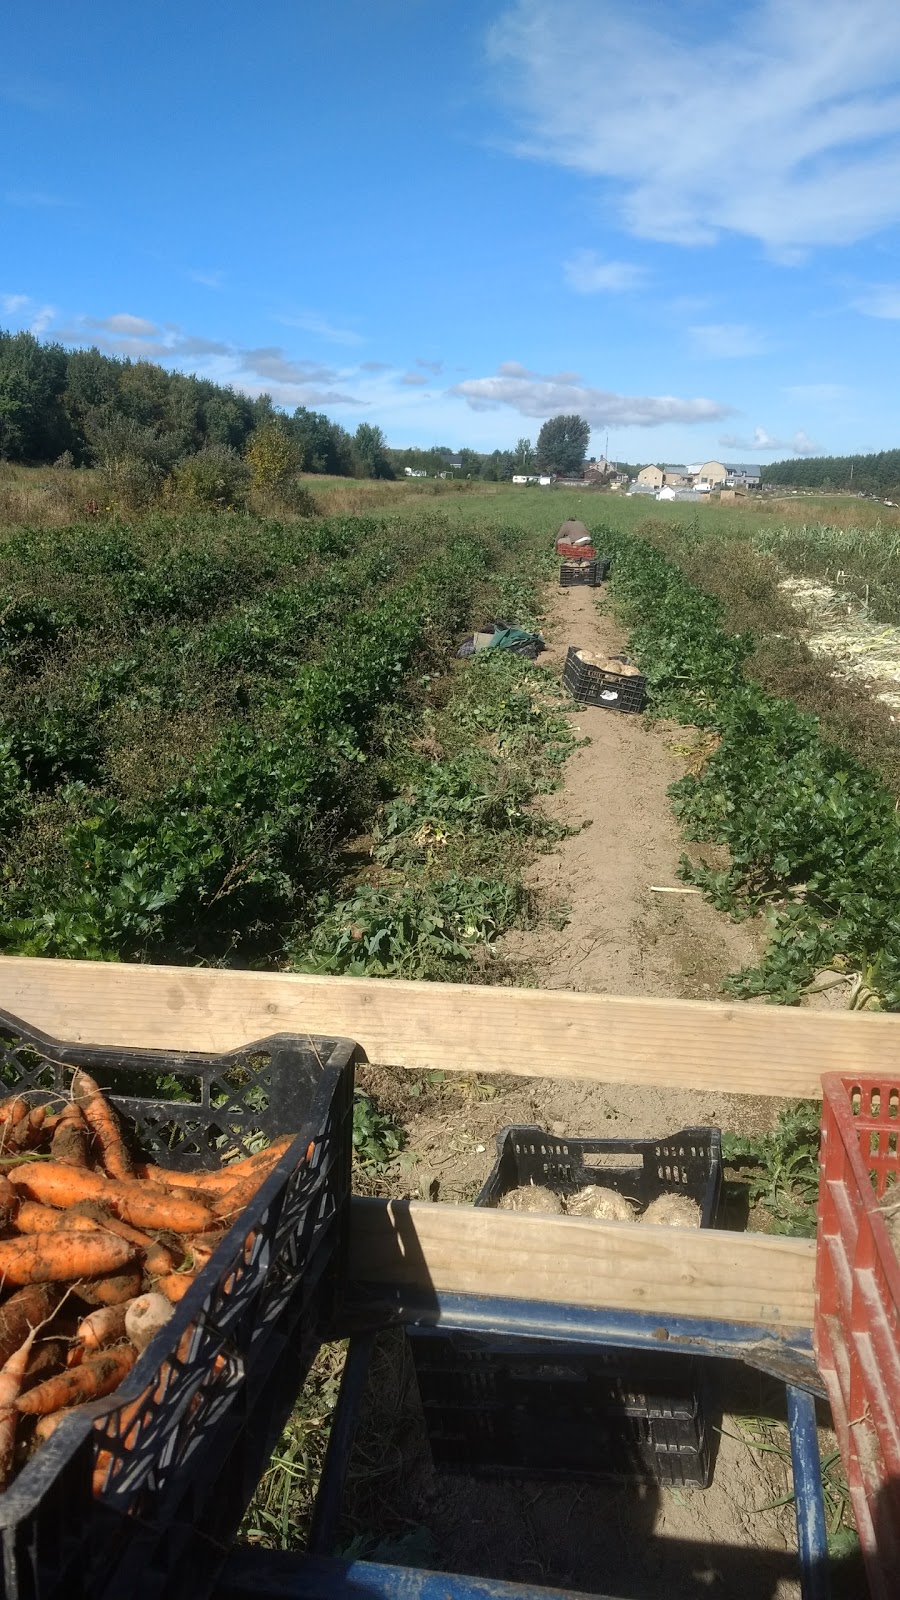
781,1168
377,1136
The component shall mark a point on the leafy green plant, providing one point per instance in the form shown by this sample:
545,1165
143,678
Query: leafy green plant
377,1137
781,1168
811,833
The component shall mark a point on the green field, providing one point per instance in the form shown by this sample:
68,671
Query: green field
236,738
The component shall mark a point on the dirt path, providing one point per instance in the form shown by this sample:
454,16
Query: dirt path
619,937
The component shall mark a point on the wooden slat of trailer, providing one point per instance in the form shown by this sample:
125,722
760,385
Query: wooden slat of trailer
686,1044
740,1277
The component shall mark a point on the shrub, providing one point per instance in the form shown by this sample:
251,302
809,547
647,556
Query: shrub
215,479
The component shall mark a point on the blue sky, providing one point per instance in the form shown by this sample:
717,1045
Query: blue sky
681,220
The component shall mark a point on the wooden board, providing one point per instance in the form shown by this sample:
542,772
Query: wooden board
687,1044
740,1277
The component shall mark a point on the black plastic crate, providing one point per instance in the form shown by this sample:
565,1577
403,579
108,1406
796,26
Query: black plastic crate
528,1408
596,686
688,1162
189,1432
573,573
525,1408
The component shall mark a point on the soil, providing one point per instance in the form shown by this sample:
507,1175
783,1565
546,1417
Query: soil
603,928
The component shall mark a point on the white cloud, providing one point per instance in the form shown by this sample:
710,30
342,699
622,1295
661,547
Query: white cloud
880,300
818,393
209,280
36,198
723,340
310,322
778,119
24,309
588,273
123,322
800,444
534,395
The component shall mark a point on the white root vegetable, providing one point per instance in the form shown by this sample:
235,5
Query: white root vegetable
673,1211
144,1318
607,1205
532,1197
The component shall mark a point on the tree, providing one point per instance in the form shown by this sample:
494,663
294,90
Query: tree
562,444
370,452
523,456
272,457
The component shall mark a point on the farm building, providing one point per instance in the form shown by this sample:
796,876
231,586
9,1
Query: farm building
651,477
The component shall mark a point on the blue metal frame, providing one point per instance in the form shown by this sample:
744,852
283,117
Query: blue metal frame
789,1359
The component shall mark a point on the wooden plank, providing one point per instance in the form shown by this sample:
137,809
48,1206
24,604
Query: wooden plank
687,1044
624,1266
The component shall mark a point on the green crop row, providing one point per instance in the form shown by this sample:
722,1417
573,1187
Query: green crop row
272,653
811,833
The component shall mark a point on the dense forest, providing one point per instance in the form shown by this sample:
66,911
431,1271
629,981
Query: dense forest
874,474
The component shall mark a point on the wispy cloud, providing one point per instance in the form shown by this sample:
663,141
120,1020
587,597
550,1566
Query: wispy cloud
778,119
38,318
880,300
588,273
435,367
414,380
123,322
799,444
34,94
209,280
37,198
374,366
719,341
311,322
534,395
818,393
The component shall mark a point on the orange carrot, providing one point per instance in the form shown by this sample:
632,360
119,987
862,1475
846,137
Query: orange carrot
34,1218
45,1426
221,1177
70,1139
11,1375
158,1258
22,1312
112,1289
142,1204
96,1376
103,1327
60,1256
103,1123
175,1285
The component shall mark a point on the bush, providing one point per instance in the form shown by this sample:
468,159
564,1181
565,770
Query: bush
215,479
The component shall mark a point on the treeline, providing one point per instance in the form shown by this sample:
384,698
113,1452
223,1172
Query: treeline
83,408
873,474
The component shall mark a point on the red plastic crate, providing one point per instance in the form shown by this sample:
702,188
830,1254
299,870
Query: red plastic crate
857,1321
586,551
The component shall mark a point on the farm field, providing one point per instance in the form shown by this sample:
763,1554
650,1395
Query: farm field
245,740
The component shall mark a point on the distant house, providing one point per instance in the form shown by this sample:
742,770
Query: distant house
454,463
526,477
651,477
711,474
415,472
666,493
676,477
742,477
